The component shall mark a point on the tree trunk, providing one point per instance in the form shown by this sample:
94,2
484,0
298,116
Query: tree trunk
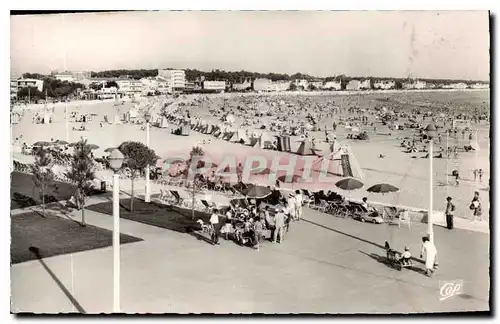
192,206
83,215
43,200
132,200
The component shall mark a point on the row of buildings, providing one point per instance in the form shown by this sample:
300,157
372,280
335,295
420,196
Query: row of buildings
174,81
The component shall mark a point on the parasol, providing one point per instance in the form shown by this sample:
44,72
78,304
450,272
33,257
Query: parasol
61,142
349,184
382,188
256,192
42,143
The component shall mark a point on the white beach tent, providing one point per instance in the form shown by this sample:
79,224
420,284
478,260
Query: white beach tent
332,163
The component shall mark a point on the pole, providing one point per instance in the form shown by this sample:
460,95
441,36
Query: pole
116,243
430,214
447,156
147,197
66,121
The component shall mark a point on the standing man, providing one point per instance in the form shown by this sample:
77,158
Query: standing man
298,204
450,209
279,221
480,175
214,221
291,208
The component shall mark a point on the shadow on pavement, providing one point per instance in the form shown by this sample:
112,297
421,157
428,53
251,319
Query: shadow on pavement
200,237
382,259
356,238
78,307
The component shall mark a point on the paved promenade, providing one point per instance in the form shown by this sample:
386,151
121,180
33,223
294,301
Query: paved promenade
325,265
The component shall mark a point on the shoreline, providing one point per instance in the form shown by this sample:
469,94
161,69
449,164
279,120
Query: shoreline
77,103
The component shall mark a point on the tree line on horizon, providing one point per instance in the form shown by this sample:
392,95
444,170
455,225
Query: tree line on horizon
238,76
54,88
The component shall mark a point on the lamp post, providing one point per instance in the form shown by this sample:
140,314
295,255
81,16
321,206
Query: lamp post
115,160
431,133
147,197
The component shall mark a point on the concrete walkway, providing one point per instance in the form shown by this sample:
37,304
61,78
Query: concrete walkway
325,265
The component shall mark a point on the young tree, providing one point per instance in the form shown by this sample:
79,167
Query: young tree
42,173
82,173
137,157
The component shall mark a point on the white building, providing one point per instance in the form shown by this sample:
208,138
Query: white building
75,75
384,85
353,85
131,87
480,86
414,84
365,84
176,79
34,83
262,84
459,86
13,89
218,86
317,84
240,86
279,86
302,83
64,77
332,85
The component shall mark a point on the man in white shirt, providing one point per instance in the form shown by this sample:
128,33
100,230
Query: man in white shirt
298,204
291,207
279,221
214,221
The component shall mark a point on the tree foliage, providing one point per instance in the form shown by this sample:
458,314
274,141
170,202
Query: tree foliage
134,74
82,173
43,176
137,157
32,92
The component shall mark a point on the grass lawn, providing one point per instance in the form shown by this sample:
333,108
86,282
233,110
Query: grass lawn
23,192
53,235
155,214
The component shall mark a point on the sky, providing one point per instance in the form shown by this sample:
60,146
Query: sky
422,44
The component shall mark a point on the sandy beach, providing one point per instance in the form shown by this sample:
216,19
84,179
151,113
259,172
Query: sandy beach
397,168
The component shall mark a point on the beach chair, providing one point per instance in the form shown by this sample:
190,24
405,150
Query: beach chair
323,205
389,214
178,198
206,205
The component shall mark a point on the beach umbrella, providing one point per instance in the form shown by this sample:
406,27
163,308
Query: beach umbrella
382,188
240,186
93,146
42,143
294,179
349,184
61,142
257,192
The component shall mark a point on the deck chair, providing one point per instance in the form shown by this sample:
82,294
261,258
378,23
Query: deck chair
323,205
178,198
390,214
206,205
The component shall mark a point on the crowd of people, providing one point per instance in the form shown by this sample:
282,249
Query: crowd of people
250,222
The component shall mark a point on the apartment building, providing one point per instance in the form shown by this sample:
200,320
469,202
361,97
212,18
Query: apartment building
176,79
